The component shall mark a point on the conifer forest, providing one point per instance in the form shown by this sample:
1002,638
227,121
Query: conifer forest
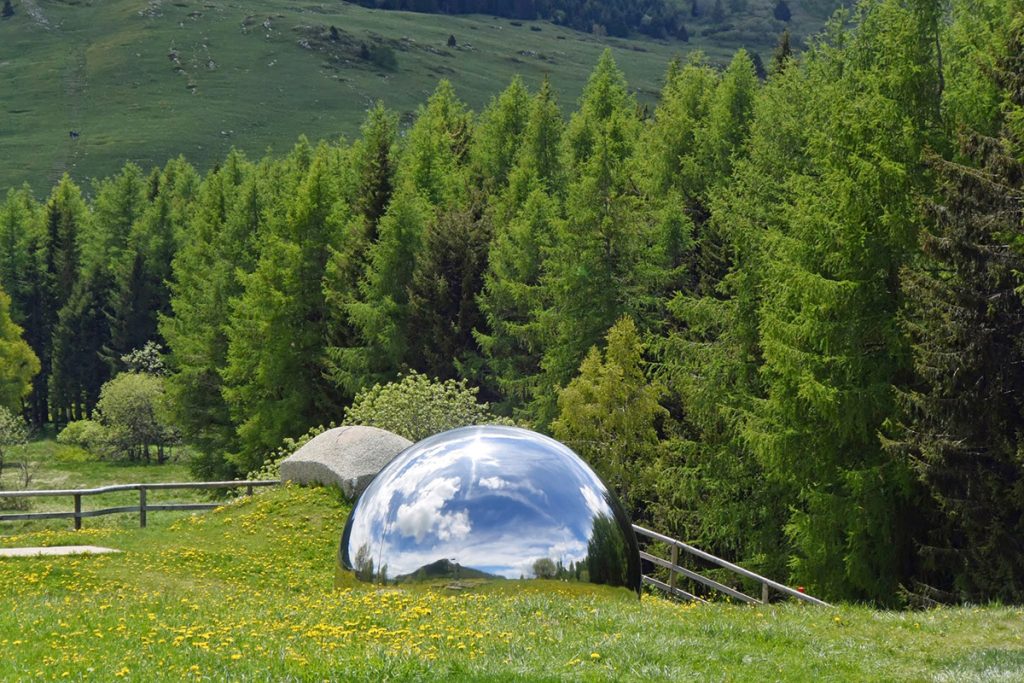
782,317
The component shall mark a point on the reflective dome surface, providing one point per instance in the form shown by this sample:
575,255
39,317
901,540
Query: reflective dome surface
489,503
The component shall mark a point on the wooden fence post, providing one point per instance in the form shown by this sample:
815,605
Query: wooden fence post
78,511
142,506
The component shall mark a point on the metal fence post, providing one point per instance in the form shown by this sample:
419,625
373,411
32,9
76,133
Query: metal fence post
764,593
675,561
78,511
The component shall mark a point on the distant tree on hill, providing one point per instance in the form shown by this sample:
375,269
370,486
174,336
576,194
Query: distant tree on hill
781,11
8,10
451,41
783,53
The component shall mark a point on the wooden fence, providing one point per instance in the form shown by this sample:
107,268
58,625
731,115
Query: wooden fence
78,514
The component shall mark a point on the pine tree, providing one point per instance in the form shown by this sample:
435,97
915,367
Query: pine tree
610,415
378,314
498,135
961,421
273,381
446,280
512,299
220,242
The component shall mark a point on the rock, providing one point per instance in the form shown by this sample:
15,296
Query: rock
346,457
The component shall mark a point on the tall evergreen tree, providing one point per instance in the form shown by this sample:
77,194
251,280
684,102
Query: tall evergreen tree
220,243
19,218
378,315
274,379
498,135
832,350
446,280
437,148
374,157
57,255
961,426
143,267
538,160
512,299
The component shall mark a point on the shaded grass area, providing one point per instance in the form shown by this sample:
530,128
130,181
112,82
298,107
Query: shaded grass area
55,466
146,81
247,593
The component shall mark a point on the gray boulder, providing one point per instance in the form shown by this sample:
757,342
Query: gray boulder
346,457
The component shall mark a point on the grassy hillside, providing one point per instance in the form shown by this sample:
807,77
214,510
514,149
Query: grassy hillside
246,593
146,80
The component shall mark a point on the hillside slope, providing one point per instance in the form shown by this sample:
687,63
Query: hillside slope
86,85
246,593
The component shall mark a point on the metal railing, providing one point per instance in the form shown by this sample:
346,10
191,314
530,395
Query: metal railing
672,565
78,514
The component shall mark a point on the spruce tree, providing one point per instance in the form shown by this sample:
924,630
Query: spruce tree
961,419
19,219
512,300
610,415
373,166
443,308
274,379
378,314
830,342
56,250
220,242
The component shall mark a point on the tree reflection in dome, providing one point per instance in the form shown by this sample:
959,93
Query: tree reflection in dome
489,502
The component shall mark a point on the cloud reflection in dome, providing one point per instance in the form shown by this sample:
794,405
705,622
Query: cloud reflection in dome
497,501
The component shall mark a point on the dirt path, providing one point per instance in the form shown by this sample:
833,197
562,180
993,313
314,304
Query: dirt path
73,83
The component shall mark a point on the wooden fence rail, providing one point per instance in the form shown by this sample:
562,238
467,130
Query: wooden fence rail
672,565
78,514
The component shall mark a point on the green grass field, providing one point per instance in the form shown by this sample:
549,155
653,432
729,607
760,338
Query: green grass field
147,80
247,593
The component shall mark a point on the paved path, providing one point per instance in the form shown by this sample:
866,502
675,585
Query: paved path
56,550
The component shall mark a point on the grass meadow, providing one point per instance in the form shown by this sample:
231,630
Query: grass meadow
247,592
147,80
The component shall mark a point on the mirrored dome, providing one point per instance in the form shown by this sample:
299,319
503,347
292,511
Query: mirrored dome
490,502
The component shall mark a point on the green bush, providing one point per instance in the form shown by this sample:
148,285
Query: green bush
417,407
85,434
134,413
